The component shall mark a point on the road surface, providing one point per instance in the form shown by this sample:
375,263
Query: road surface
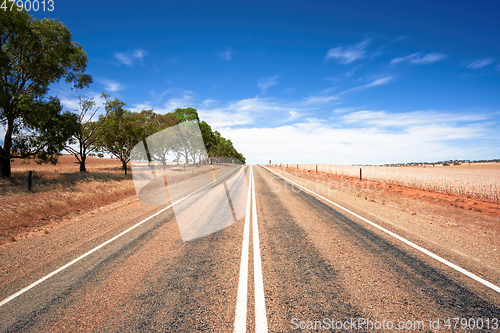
318,266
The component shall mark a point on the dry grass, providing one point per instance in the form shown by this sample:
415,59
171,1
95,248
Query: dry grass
481,180
57,191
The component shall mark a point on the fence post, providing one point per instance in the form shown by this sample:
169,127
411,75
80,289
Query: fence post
30,180
297,167
316,168
360,174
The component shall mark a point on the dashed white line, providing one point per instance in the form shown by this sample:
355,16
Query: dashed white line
404,240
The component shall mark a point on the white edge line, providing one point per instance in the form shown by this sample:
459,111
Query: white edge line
404,240
48,276
240,318
260,300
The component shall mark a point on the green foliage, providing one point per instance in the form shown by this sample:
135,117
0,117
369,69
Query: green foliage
216,145
35,53
42,131
86,133
120,131
186,114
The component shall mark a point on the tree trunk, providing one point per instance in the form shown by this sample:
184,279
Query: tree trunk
124,167
5,170
82,164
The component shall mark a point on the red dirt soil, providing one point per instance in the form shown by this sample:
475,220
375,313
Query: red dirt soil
464,202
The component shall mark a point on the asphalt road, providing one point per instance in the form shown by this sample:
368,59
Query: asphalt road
319,267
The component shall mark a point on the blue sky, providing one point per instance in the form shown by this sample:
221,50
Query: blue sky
339,82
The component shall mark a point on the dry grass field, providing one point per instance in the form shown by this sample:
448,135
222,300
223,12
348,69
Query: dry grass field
477,180
58,191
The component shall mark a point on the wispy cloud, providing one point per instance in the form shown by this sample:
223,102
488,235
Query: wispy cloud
267,82
110,85
183,101
380,81
317,101
348,54
345,75
293,115
141,106
131,57
69,97
240,112
480,63
227,54
407,119
420,58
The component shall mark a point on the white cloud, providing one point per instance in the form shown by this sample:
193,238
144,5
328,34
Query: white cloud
267,82
403,120
69,97
420,59
243,112
140,106
219,118
208,102
343,110
69,102
314,141
348,54
131,57
293,115
227,54
110,85
379,82
317,101
284,131
345,75
480,63
374,83
184,101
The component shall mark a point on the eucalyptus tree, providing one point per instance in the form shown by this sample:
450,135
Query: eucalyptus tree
35,53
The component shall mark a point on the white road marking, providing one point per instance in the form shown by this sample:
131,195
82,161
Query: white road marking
48,276
240,319
404,240
260,302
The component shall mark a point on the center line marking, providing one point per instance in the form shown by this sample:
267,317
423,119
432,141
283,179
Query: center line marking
240,320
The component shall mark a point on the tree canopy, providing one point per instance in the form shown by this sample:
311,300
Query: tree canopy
35,53
122,130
